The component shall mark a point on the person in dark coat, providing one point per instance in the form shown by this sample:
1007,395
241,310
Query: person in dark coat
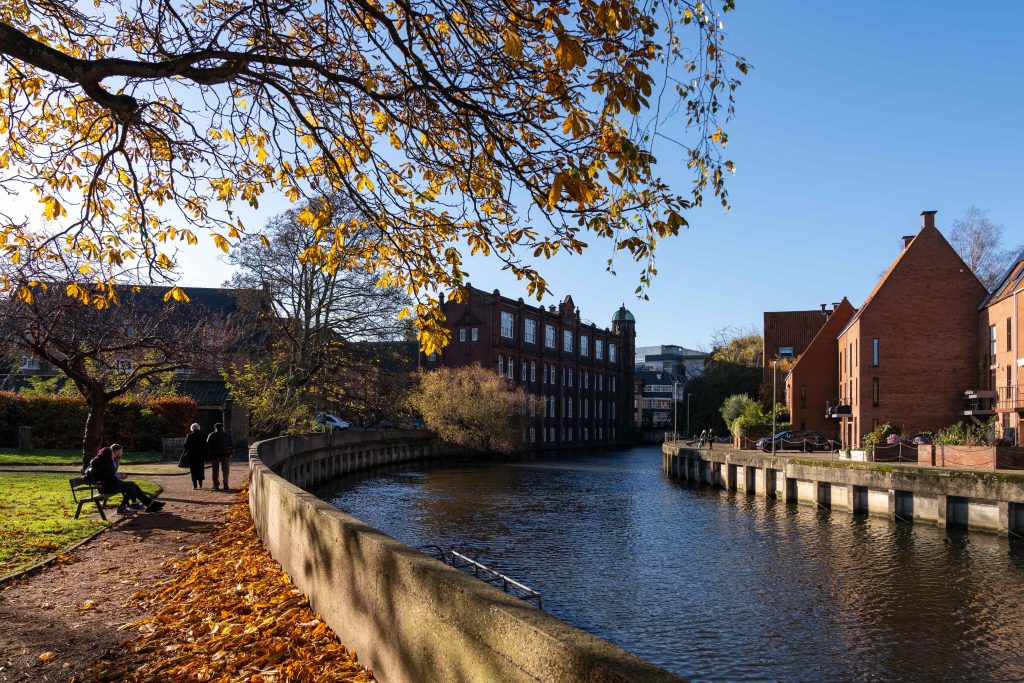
218,447
102,470
195,452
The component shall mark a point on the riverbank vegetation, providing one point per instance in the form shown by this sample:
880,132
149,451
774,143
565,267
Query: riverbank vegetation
475,408
38,515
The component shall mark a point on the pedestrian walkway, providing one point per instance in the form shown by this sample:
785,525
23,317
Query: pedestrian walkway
58,621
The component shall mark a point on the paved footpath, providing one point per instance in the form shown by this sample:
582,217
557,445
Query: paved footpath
49,612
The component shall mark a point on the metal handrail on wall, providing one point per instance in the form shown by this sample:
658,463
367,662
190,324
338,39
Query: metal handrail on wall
483,572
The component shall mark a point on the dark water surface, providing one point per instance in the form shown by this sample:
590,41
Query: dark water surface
714,585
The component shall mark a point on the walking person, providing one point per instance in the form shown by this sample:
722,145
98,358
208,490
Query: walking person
703,437
218,446
711,438
195,453
102,470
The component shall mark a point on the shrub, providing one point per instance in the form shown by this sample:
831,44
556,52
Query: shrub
59,421
755,421
971,432
734,406
879,435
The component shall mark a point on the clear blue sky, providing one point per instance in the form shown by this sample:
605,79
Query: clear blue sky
855,118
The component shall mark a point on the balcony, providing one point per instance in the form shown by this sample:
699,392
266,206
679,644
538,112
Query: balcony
978,402
1009,399
838,409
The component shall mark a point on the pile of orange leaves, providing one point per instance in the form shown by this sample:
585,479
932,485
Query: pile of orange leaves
229,613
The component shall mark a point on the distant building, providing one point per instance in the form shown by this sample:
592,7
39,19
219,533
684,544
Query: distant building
653,398
907,354
583,371
813,381
680,361
787,334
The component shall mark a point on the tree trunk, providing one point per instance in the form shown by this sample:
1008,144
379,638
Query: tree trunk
92,441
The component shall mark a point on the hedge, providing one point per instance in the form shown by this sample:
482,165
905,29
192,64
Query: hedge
59,421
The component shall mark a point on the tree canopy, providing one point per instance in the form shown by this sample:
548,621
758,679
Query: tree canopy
513,128
979,242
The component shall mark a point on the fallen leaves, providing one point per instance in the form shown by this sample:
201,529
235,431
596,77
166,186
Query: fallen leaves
47,656
228,613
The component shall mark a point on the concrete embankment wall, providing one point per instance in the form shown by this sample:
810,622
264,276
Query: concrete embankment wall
979,500
409,617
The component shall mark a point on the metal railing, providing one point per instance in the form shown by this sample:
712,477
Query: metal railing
481,571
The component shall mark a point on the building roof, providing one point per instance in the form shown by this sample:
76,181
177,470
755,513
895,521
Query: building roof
205,392
623,315
792,327
826,336
658,377
929,231
1010,282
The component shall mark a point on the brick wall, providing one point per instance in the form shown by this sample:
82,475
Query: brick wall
925,316
814,380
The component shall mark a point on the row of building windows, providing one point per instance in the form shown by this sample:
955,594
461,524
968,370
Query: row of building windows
549,402
853,354
568,434
506,368
568,338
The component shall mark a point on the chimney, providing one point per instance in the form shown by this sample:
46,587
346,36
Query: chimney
835,305
823,309
928,219
907,239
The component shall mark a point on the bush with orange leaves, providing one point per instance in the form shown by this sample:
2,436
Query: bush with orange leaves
229,613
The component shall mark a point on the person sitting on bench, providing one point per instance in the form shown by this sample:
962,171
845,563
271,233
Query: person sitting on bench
103,471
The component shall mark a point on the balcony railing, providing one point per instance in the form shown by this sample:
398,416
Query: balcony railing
1009,398
837,408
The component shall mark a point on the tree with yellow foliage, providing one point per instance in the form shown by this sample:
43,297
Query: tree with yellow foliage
512,128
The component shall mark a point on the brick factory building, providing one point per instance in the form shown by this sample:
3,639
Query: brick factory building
584,371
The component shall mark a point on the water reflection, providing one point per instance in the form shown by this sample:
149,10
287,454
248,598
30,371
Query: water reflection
717,585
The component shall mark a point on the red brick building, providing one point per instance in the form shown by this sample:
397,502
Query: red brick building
907,354
585,372
1000,355
787,334
813,381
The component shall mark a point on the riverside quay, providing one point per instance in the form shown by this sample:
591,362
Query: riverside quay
969,498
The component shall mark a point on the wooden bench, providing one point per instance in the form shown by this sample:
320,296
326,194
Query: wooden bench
172,446
84,493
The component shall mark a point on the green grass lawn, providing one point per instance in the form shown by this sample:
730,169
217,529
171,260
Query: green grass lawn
37,518
57,456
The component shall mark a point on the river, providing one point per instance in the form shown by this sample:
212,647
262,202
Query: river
715,585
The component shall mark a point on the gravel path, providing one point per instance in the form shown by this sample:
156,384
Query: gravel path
49,613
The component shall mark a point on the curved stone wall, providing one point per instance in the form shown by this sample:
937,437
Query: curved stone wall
409,617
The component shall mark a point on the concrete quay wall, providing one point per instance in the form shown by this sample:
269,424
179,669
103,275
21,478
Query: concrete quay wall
972,499
409,617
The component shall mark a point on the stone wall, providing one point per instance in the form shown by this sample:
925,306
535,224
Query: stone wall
976,499
409,617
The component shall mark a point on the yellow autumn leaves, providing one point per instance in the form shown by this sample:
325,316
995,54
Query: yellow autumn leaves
441,129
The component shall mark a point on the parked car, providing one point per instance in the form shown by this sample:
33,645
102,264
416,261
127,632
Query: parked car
331,423
795,440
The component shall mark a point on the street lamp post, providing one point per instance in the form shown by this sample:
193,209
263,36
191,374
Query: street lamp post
675,410
688,395
775,372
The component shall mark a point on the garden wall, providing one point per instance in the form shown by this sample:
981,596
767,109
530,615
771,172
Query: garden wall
409,617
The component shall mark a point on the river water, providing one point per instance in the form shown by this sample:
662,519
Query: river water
715,585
